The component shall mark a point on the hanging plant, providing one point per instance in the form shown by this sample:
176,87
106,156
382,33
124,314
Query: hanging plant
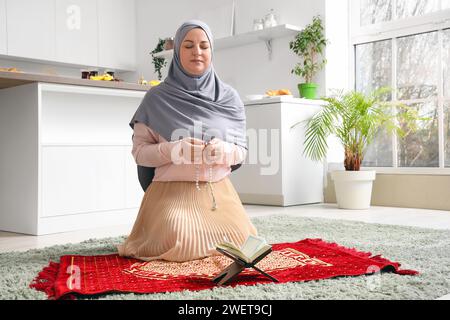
158,62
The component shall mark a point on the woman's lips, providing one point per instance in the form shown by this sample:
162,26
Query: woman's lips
197,61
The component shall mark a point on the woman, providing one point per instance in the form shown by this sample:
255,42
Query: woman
191,205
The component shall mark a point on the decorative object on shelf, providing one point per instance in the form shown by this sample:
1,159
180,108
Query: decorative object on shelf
142,81
110,72
258,24
308,45
93,73
159,62
84,74
356,119
169,43
270,20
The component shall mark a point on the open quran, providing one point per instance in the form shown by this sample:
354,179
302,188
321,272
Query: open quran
248,255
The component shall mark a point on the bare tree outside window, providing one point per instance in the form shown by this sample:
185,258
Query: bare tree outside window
374,71
414,8
417,66
446,65
421,148
418,78
446,62
373,65
375,11
447,133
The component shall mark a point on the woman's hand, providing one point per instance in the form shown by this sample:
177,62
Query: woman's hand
191,150
215,152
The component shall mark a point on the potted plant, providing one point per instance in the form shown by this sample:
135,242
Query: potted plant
309,45
159,62
355,118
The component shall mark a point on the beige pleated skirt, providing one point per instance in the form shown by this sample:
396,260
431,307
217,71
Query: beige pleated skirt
175,221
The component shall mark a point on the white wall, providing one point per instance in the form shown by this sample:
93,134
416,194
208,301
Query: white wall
338,49
246,68
337,71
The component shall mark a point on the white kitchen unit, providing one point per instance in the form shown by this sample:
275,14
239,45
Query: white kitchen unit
65,156
74,33
31,28
77,32
117,34
3,41
275,171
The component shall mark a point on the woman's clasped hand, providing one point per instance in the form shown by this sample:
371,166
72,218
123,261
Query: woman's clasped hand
195,151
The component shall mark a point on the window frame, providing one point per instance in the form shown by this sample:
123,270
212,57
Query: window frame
392,30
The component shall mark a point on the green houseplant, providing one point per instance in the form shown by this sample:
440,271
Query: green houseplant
355,119
309,45
158,62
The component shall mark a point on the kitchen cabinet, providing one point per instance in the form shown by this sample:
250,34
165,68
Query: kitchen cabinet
31,28
3,41
77,32
117,34
93,182
66,158
276,172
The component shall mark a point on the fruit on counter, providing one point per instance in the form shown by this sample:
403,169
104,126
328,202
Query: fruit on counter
10,70
154,82
280,92
103,77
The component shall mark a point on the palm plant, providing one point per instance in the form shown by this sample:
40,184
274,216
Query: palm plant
355,118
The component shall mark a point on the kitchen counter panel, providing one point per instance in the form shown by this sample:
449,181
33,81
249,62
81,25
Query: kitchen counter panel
13,79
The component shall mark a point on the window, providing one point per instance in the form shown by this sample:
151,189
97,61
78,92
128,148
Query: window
379,11
446,74
375,11
374,65
405,45
414,8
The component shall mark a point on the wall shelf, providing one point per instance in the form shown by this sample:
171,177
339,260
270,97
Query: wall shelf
265,35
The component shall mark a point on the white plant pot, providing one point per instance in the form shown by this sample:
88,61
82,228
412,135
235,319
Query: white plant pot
353,188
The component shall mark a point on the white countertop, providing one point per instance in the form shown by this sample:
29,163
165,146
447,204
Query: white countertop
286,99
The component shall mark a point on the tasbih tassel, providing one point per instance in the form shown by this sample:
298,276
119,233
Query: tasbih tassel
197,178
214,206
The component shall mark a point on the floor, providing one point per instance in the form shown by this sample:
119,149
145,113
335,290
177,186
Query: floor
385,215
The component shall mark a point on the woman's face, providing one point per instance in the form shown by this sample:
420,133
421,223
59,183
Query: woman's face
195,52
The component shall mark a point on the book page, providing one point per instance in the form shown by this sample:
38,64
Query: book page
262,249
252,245
232,249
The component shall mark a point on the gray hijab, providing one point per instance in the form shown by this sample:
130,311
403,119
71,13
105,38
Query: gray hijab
183,101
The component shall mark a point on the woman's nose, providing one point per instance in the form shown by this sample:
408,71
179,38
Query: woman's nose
196,50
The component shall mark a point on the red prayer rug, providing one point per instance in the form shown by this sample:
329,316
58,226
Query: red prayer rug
309,259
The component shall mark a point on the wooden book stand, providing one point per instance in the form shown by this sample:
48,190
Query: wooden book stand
237,266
